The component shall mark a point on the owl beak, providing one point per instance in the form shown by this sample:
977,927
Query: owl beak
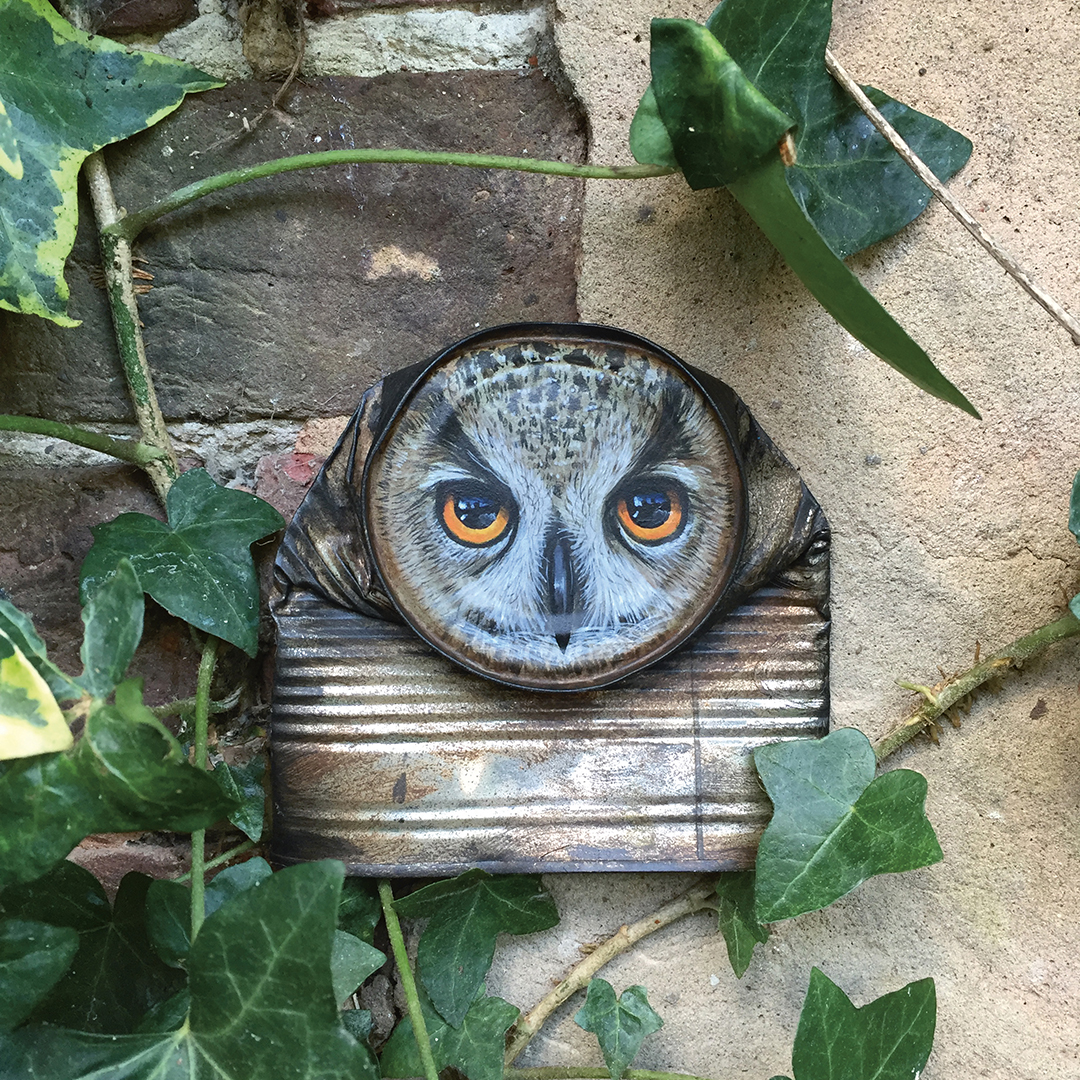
564,618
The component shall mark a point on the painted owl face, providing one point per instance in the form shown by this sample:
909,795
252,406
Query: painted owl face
555,514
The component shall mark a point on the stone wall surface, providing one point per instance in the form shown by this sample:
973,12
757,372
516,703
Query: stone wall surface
948,531
289,296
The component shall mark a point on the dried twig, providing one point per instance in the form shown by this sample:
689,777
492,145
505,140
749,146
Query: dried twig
1012,267
696,899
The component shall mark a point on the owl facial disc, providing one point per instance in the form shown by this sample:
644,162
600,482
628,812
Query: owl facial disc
555,513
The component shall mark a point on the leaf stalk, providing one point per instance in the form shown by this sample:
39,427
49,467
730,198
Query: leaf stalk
129,227
219,860
408,983
202,726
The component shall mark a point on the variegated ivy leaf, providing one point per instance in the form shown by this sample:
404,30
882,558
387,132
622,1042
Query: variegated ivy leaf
30,720
63,95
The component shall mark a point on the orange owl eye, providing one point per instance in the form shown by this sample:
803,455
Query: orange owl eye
651,515
474,519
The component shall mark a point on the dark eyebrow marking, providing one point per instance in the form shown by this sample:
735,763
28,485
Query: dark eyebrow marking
668,440
460,449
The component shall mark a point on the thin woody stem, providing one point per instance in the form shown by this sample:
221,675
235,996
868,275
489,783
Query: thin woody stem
696,899
198,838
940,699
116,259
1012,267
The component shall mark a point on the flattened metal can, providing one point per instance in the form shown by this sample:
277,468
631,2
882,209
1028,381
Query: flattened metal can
546,596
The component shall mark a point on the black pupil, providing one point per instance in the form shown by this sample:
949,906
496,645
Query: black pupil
649,509
476,512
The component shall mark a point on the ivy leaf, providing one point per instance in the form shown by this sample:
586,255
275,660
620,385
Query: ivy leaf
115,977
834,825
1074,528
63,95
847,178
620,1026
243,783
113,620
168,921
33,957
167,1015
198,566
351,962
145,768
720,125
766,197
261,1001
475,1047
847,189
168,906
30,720
889,1039
127,772
650,142
360,909
736,919
465,915
19,628
10,161
1074,508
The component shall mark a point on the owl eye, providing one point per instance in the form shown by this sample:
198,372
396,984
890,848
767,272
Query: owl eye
651,514
473,516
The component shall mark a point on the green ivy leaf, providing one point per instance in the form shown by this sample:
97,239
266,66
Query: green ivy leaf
243,783
168,906
19,628
465,915
620,1026
234,880
720,126
766,197
650,142
358,1023
168,921
126,773
351,962
113,621
736,919
168,1015
63,95
853,186
475,1047
115,977
360,909
198,566
30,720
262,1002
834,825
889,1039
1074,508
33,957
1074,528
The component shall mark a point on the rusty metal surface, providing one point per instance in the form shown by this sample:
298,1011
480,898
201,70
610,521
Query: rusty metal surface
390,758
